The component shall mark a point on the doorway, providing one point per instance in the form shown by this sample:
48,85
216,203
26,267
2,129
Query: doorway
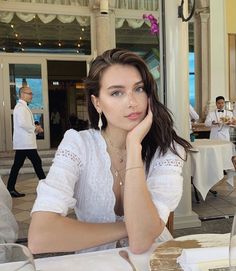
15,72
67,102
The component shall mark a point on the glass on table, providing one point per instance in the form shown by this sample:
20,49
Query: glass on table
232,246
16,257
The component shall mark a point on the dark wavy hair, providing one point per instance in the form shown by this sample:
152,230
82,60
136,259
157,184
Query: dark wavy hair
161,134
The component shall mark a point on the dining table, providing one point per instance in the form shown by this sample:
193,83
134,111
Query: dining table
105,260
209,159
161,256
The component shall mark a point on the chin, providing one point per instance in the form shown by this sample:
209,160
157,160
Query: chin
132,125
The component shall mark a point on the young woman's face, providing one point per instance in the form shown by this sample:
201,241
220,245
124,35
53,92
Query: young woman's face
122,98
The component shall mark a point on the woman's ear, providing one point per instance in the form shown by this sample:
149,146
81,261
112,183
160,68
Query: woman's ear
96,104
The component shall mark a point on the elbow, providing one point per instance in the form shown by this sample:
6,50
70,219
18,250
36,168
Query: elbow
37,242
34,245
40,233
141,243
140,247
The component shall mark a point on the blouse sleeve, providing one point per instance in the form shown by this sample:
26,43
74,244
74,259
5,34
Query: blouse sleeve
55,193
165,182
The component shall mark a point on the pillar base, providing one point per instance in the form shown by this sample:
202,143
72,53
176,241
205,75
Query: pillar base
186,221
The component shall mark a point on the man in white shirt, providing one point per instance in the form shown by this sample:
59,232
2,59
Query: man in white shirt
219,120
24,140
193,116
8,224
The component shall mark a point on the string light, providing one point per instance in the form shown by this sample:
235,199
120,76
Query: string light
22,49
78,45
19,42
16,35
80,38
82,29
39,43
12,26
4,49
59,44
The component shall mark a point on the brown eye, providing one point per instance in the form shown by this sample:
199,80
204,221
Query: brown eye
139,89
116,93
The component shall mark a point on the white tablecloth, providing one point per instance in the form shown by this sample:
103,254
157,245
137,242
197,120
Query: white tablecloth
208,163
107,260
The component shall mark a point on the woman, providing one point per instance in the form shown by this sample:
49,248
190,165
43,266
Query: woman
122,176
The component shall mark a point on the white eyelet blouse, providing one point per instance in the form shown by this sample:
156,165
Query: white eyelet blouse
80,178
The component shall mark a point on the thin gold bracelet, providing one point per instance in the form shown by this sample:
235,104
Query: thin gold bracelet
130,168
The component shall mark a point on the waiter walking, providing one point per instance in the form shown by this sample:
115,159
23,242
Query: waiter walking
24,140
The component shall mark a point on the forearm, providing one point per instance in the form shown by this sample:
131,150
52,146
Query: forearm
50,232
141,217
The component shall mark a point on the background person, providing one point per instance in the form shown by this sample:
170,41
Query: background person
24,140
193,117
219,121
122,176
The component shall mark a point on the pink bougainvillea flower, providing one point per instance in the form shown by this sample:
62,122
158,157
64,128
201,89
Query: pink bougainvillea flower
154,24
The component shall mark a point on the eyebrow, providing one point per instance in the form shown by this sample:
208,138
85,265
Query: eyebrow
120,86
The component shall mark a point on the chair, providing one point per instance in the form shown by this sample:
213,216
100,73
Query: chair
170,223
233,159
231,172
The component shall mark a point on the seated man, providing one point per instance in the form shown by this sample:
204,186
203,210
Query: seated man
8,224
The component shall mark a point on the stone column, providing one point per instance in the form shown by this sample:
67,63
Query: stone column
105,31
102,33
204,60
177,92
218,58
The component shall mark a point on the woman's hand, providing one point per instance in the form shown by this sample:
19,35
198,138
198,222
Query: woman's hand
139,132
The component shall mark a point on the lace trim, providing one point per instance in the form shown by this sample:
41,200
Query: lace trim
169,163
70,155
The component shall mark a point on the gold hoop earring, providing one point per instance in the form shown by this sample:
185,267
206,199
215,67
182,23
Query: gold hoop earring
100,121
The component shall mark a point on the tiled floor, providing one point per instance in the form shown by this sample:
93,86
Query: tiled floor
221,207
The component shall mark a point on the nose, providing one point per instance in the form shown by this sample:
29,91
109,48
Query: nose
132,101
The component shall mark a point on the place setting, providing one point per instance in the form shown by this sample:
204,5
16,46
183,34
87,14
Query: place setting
200,252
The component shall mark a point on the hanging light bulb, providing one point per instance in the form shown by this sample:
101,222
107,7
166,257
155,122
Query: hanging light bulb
78,45
59,44
39,43
19,42
12,25
16,35
82,29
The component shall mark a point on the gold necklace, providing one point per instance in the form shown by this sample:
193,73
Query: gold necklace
117,150
118,175
120,155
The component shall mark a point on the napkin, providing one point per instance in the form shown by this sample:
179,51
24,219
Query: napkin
190,258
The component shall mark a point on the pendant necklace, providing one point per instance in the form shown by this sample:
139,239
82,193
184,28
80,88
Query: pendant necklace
120,155
116,149
117,175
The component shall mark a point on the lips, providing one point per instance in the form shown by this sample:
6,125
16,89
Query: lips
134,116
